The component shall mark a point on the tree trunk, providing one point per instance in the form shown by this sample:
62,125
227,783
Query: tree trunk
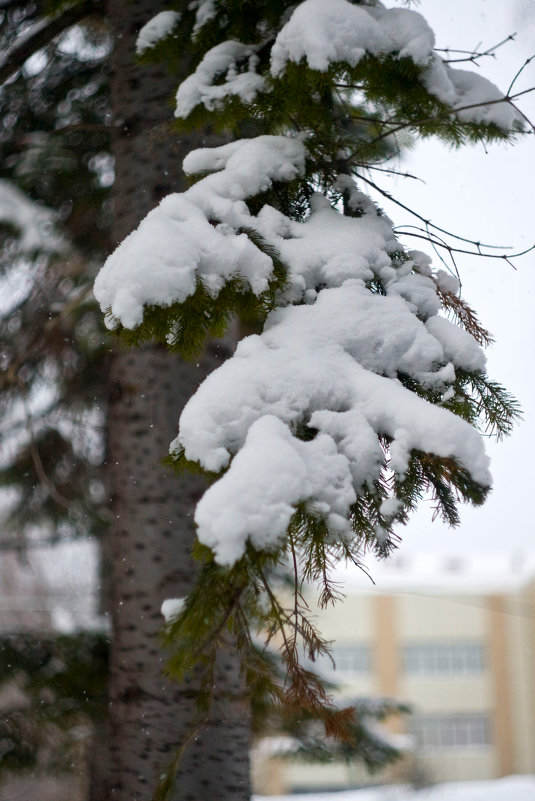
152,527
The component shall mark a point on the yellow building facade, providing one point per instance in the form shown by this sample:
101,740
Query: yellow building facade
463,658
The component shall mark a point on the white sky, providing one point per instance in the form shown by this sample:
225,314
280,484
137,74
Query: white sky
487,196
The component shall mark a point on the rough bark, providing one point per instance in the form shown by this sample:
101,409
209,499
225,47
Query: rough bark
152,528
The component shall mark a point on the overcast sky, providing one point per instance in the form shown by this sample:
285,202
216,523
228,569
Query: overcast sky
487,196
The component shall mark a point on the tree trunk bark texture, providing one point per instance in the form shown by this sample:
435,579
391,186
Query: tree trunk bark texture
152,531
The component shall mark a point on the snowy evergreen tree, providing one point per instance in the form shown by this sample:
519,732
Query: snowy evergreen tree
56,171
353,398
365,387
64,143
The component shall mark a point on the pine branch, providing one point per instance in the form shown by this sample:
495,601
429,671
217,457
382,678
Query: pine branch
419,123
244,602
465,316
499,409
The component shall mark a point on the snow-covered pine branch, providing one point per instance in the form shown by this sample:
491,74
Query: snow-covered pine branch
358,395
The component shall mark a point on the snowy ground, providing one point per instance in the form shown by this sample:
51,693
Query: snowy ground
512,788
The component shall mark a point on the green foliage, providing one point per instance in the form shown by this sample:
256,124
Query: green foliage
58,684
495,409
447,481
357,110
51,420
184,327
366,744
261,598
350,116
55,146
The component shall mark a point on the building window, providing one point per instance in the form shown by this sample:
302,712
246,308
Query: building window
443,658
450,731
349,659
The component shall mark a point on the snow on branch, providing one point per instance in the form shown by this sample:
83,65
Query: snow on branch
147,268
331,35
365,388
159,27
224,59
329,365
332,367
358,386
338,31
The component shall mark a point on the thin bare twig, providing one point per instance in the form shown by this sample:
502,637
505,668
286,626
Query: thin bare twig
472,55
296,585
434,239
425,221
451,249
36,458
392,172
519,73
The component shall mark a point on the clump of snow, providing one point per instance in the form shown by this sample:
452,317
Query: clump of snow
328,247
34,222
286,471
156,29
333,366
390,506
458,346
172,607
205,11
407,33
472,97
417,290
447,282
234,61
324,33
338,31
148,269
421,262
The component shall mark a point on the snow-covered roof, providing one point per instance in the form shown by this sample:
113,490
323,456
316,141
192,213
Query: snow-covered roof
521,788
478,574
